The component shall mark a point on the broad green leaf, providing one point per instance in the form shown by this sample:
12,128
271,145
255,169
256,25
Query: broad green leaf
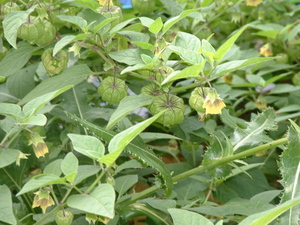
187,41
8,156
33,106
268,33
237,64
188,56
124,183
15,59
77,20
254,133
84,172
134,36
103,23
90,4
184,217
143,154
22,82
87,145
160,204
172,6
62,43
6,206
70,76
69,167
170,22
100,202
139,66
120,26
54,168
9,109
130,56
270,215
127,105
121,140
224,48
12,22
36,120
289,166
143,45
156,26
191,71
284,88
41,181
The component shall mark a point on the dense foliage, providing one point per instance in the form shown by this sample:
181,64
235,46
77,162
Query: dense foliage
177,112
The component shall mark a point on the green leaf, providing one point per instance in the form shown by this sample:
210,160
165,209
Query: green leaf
121,140
151,136
41,181
160,204
12,22
69,167
36,120
33,106
184,217
54,168
254,133
87,145
103,23
289,166
156,26
270,215
15,59
187,41
224,48
170,22
70,76
85,171
100,202
6,206
62,43
172,6
134,36
8,156
143,154
77,20
90,4
124,183
237,64
120,26
188,56
9,109
127,105
130,56
191,71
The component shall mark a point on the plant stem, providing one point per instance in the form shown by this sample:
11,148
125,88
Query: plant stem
203,168
96,180
57,208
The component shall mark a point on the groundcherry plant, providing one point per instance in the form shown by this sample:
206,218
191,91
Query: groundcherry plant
149,112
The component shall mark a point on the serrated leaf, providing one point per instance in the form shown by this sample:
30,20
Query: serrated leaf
254,134
15,59
12,22
70,76
127,105
87,145
148,157
224,48
184,217
100,202
289,167
6,206
41,181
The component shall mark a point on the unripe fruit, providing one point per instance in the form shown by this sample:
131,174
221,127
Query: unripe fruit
151,90
32,30
296,79
9,7
175,109
112,90
196,99
143,6
64,217
282,58
48,35
111,12
54,64
2,79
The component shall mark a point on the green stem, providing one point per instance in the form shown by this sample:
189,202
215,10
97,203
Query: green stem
203,168
57,208
97,180
7,136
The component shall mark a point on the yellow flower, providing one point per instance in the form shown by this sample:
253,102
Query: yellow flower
253,2
260,103
42,199
266,50
106,2
39,146
21,156
213,104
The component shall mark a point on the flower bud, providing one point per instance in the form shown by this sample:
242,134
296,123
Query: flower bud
260,103
266,50
39,146
213,104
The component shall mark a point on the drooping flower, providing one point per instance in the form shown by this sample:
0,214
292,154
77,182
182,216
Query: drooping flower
213,104
21,156
266,50
42,199
253,2
260,103
39,146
